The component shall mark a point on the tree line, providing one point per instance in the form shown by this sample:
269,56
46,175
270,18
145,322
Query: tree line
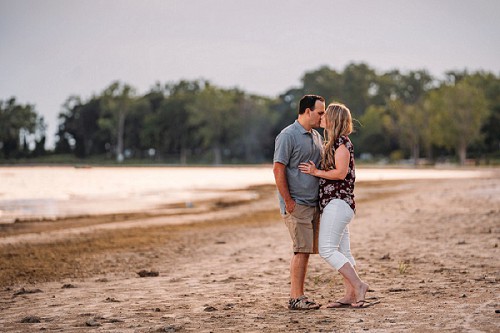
398,115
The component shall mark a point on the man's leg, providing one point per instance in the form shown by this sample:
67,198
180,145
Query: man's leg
298,270
301,230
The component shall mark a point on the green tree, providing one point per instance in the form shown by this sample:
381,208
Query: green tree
167,127
117,102
79,131
412,87
194,118
385,88
17,123
213,113
325,82
181,131
409,121
254,122
410,126
40,136
284,110
489,84
460,110
353,86
372,135
150,136
359,80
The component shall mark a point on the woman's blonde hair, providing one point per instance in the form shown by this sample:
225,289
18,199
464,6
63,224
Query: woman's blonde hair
338,123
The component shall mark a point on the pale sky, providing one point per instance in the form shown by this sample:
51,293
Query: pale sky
51,49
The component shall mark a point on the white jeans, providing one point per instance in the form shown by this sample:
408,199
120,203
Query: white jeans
334,244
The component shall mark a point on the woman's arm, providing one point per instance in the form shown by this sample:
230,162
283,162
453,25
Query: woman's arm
342,156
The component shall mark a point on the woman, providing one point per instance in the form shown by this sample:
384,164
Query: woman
336,199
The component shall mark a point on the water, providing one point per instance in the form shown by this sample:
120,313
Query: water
33,192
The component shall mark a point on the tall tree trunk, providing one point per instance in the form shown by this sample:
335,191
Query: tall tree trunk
121,130
430,155
217,155
247,148
88,147
415,152
462,152
184,155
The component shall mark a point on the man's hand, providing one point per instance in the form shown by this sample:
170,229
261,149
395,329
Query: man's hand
290,205
282,184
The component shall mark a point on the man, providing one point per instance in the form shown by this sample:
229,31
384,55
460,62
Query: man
298,192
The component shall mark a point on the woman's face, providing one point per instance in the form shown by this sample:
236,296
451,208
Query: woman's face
322,124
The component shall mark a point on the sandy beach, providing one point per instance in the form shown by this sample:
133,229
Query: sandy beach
427,247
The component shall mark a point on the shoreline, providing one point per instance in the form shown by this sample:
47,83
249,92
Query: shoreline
30,195
262,198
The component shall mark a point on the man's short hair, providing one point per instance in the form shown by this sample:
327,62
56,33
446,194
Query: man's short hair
308,102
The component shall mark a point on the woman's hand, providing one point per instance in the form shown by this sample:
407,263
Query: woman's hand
309,168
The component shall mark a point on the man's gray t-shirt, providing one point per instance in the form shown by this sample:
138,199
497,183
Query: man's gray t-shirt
295,145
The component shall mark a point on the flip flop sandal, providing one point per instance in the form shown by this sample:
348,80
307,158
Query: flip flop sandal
364,304
338,305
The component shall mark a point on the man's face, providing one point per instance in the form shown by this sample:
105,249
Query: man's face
317,114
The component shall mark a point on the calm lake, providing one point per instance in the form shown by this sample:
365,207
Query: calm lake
27,192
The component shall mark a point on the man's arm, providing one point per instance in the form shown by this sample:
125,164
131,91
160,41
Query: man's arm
279,171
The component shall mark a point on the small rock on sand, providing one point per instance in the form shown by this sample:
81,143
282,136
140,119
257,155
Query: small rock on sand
145,273
397,290
68,286
23,291
210,309
31,319
92,323
102,280
112,300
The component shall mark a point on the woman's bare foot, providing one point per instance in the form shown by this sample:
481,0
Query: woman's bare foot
360,295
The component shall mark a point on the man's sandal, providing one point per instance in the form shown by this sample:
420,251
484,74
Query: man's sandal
302,303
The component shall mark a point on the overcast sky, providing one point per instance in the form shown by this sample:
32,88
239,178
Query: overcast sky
51,49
